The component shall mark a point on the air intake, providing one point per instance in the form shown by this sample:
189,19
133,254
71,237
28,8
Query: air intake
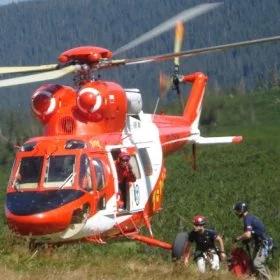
67,125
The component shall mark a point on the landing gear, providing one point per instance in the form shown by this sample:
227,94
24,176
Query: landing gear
179,246
33,245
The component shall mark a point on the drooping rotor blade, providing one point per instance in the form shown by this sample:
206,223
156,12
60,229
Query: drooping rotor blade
192,53
184,16
179,34
26,69
51,75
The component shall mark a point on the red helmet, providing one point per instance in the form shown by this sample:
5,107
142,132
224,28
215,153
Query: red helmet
199,220
124,156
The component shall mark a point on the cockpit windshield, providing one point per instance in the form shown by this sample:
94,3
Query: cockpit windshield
29,173
60,171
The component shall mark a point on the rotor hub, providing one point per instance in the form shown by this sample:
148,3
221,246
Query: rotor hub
86,54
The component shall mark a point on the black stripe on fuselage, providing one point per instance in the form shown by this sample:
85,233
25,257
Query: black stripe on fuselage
34,202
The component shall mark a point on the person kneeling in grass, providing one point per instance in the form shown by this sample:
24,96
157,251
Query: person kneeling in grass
206,251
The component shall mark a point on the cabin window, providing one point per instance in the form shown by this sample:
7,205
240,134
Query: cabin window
115,153
85,176
75,144
29,173
27,147
99,173
135,168
146,161
60,171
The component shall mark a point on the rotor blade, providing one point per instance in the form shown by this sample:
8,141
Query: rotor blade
165,84
179,34
26,69
39,77
184,16
191,53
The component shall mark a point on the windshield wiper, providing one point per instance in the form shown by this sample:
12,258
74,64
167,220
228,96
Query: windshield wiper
70,177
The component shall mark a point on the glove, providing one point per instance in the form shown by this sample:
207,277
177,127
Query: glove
223,255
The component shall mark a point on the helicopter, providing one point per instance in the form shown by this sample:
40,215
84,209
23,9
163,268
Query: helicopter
64,184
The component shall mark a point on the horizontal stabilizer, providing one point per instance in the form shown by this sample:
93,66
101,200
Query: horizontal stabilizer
215,140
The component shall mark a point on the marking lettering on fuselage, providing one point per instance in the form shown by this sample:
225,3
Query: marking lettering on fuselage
95,143
136,195
157,195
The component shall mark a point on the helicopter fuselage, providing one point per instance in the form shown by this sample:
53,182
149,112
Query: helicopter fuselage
64,185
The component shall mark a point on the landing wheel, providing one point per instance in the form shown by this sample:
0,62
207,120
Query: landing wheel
179,245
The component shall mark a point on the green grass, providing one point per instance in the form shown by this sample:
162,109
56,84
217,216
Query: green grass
225,174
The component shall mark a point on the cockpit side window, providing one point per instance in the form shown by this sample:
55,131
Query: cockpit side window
85,181
29,173
99,173
60,171
115,153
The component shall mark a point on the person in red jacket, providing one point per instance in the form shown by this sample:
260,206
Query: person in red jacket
125,175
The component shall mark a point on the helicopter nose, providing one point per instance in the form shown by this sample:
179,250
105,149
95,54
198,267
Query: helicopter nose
40,213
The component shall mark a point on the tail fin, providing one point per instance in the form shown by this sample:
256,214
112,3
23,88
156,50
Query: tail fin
192,112
192,109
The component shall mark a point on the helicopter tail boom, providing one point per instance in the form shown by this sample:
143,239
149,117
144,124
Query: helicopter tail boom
176,131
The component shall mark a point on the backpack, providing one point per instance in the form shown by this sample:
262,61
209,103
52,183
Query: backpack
240,262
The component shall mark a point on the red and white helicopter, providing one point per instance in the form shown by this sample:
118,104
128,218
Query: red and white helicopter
64,184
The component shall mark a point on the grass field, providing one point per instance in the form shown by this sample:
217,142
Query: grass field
225,174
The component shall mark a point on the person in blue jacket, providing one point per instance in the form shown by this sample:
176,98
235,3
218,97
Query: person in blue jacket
254,230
